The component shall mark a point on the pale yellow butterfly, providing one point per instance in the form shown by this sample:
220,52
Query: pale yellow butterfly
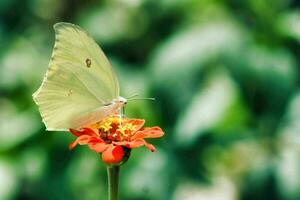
80,87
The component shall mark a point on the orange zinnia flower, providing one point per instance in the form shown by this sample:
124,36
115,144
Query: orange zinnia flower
113,135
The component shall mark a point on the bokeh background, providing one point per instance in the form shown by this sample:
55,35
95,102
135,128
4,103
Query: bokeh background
226,78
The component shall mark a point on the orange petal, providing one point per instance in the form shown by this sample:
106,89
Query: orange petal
136,143
113,154
75,132
132,144
150,147
72,145
138,123
88,131
99,146
153,132
83,139
84,131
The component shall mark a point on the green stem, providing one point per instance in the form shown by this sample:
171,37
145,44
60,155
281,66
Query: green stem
113,182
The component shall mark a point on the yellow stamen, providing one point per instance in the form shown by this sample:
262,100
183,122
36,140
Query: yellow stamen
106,126
127,127
122,130
131,127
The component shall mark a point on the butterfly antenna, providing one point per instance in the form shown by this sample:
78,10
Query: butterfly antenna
151,99
132,96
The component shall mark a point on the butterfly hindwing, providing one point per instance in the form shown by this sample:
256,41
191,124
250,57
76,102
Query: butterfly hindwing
79,81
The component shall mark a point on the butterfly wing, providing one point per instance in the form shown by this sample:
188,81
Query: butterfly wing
78,83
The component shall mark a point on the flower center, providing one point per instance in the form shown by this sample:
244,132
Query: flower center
115,129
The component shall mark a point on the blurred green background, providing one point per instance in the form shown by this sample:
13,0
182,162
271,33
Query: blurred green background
226,78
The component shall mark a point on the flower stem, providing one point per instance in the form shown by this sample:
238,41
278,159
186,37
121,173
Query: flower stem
113,182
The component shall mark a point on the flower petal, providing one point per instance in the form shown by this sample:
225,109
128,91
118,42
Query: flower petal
150,147
84,131
83,139
136,143
75,132
98,145
131,144
153,132
138,123
89,131
113,154
72,145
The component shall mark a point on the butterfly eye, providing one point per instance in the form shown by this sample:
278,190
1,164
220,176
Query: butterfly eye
88,62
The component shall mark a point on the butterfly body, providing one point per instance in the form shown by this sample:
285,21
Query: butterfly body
80,86
110,108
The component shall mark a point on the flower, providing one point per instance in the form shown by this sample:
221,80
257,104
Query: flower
114,135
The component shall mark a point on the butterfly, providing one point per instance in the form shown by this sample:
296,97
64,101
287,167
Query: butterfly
80,87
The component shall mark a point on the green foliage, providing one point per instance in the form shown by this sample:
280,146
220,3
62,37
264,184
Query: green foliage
225,76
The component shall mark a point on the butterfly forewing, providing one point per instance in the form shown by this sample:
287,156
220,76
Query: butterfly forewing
74,45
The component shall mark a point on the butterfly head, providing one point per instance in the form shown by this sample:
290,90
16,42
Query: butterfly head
121,100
